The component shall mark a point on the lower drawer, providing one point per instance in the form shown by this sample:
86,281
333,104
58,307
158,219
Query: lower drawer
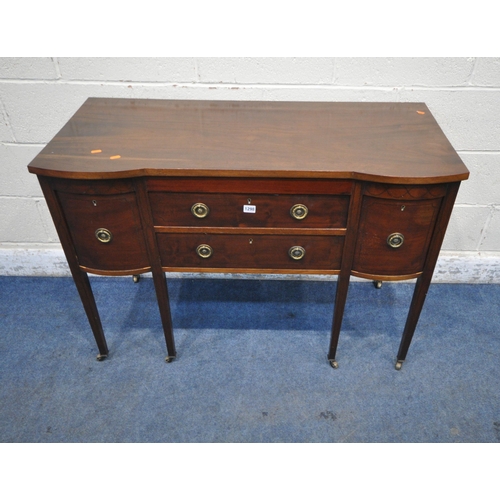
264,252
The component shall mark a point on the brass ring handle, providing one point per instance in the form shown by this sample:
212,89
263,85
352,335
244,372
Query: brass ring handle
204,251
103,235
296,253
200,210
299,211
395,240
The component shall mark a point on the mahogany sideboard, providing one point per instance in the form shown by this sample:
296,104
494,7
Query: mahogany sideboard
347,189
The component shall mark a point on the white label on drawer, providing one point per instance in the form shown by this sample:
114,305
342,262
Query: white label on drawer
249,209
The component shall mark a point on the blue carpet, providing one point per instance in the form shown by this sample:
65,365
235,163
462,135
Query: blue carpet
251,364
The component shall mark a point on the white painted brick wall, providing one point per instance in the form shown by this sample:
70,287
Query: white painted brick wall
128,69
38,95
416,72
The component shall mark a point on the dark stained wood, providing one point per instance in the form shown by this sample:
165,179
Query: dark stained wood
79,277
159,280
252,230
119,272
345,271
424,280
250,270
414,219
93,187
174,209
250,251
385,277
119,214
90,205
364,171
248,186
382,142
408,192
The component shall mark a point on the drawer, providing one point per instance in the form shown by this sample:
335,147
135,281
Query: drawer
237,251
119,245
394,235
257,210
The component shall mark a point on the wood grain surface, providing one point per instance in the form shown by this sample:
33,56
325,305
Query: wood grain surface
384,142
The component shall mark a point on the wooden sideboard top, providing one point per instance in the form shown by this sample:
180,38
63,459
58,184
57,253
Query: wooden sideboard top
384,142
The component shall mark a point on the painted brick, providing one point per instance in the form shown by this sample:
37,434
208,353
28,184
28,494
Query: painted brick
487,72
465,228
38,68
16,260
198,91
6,134
25,220
47,222
483,185
329,94
32,112
16,180
268,70
469,118
466,267
491,240
263,93
37,111
129,69
403,71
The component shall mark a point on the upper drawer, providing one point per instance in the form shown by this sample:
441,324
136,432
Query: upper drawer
253,210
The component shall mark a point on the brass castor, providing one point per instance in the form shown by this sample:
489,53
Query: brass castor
136,278
333,363
169,359
377,284
399,365
101,357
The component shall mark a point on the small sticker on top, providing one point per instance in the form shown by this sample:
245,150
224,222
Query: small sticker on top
249,209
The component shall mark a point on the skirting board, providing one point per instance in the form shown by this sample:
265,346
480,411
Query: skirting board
452,267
